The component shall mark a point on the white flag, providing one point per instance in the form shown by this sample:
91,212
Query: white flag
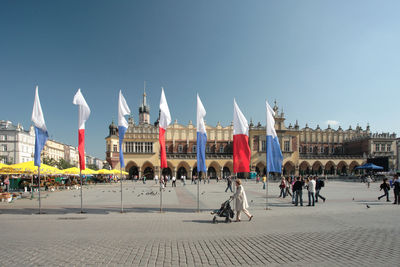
84,110
123,110
37,113
165,116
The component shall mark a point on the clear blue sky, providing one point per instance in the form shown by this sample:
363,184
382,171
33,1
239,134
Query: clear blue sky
321,60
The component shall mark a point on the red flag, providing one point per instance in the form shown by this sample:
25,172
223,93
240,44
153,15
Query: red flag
241,149
165,119
84,112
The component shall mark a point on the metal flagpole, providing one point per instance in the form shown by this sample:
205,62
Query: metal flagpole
198,191
80,175
122,207
234,188
40,203
32,186
161,179
266,192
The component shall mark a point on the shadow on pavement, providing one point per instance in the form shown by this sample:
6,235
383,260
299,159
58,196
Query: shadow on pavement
202,221
98,211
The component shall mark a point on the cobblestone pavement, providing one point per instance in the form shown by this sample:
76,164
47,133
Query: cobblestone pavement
339,232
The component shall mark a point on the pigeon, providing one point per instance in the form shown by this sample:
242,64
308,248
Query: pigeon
203,192
353,198
368,206
251,201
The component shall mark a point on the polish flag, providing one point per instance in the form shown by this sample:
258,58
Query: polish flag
165,120
84,112
241,149
41,133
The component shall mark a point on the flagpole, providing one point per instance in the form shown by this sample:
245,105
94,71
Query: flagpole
161,179
122,207
234,189
198,191
266,192
80,175
32,186
40,203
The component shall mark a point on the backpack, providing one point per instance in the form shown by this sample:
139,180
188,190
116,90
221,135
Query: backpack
321,183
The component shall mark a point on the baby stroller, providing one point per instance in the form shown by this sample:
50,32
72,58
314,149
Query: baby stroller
225,211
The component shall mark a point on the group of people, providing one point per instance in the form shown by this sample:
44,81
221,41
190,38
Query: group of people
166,178
294,188
385,186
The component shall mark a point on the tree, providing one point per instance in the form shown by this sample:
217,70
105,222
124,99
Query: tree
63,164
93,167
49,161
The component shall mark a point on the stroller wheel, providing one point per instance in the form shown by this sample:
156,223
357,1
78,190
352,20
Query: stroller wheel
215,219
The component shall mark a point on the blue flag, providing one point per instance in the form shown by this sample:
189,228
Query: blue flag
201,137
274,153
41,134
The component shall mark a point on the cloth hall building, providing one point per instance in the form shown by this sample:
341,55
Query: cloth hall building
305,150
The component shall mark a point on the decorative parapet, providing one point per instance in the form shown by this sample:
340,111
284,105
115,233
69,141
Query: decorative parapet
320,156
194,156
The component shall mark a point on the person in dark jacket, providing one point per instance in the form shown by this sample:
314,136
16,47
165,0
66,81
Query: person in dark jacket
229,184
320,183
298,188
385,187
396,189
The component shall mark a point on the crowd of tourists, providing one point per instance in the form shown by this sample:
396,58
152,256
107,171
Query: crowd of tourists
294,186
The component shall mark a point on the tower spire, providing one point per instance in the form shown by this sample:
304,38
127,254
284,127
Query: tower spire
144,109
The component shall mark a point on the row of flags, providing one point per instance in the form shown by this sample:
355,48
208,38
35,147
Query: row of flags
241,149
41,134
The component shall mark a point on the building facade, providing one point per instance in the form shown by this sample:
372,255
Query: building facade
305,150
54,150
16,144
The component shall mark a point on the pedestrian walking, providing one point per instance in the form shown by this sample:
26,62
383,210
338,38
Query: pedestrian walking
298,188
319,183
264,181
156,179
288,186
241,203
293,191
229,184
396,189
369,180
311,191
386,188
184,180
282,187
173,181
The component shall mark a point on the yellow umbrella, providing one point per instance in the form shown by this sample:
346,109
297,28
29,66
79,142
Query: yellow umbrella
104,171
115,171
75,170
30,168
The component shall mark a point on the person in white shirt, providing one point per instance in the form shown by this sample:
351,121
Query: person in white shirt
173,181
156,179
311,191
184,179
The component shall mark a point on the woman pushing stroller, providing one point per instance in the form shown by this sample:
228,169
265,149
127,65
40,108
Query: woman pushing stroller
241,201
